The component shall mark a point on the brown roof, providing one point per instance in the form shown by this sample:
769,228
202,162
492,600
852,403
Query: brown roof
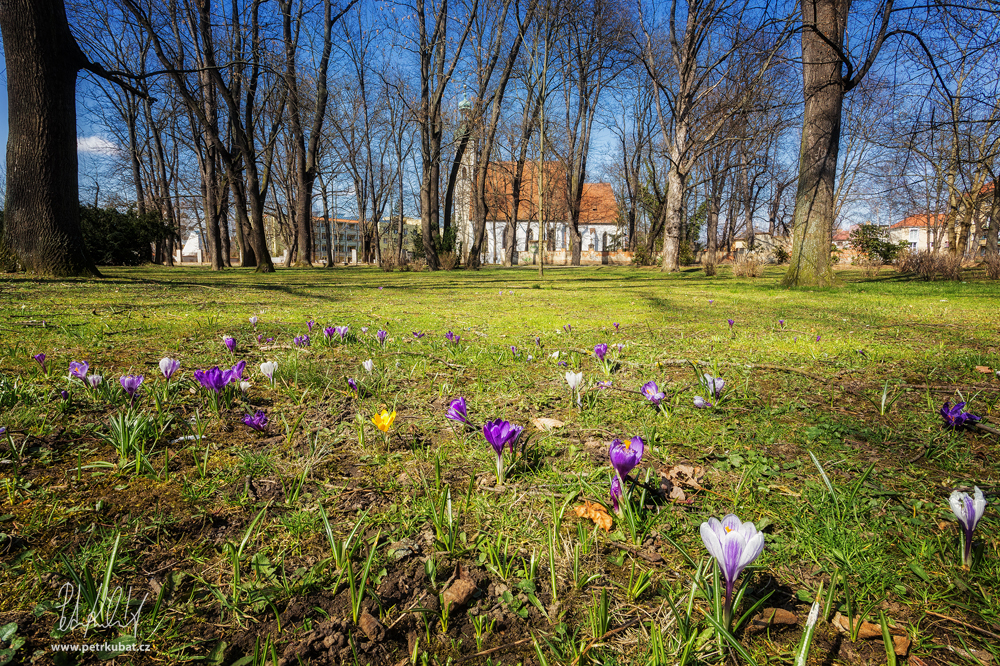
597,203
921,220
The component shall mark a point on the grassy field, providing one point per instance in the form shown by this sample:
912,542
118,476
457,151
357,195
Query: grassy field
323,540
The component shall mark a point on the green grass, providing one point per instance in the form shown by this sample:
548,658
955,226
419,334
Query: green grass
226,535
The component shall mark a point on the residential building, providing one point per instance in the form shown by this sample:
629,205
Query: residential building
344,235
919,232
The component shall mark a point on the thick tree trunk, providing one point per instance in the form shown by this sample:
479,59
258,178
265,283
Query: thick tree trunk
672,220
813,219
42,221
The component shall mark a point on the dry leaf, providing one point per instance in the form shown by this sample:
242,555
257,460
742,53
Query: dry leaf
595,512
983,369
547,424
684,475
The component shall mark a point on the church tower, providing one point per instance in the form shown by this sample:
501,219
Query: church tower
463,186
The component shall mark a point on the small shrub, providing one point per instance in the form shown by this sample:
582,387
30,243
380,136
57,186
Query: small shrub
418,265
781,255
929,265
388,263
710,269
873,241
748,265
641,256
992,263
870,265
449,260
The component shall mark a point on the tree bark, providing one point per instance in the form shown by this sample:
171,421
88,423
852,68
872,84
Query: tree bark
823,84
42,221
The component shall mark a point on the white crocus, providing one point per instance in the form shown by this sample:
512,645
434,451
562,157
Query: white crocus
268,369
368,366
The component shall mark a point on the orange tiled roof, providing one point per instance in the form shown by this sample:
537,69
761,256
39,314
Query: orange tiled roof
922,220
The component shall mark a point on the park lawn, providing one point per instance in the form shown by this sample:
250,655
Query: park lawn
828,438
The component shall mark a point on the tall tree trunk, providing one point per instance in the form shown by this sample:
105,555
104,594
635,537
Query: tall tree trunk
42,221
823,84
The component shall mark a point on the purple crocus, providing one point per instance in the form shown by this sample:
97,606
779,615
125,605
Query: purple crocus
301,340
538,342
230,343
457,410
701,403
353,384
214,379
615,324
714,385
968,510
734,545
40,359
258,421
260,338
616,491
568,328
329,332
310,324
451,337
652,392
238,370
364,329
381,335
64,394
955,417
731,322
620,347
818,337
168,366
624,457
600,351
78,369
500,433
781,322
417,334
131,384
513,350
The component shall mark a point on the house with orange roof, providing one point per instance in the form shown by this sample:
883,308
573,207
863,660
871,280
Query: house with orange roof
919,231
598,222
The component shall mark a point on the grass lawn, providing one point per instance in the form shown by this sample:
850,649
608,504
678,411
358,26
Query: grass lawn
321,539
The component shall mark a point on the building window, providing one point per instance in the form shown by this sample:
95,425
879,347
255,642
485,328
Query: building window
913,235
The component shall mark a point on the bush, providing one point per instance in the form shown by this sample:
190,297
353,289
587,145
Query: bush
929,265
873,241
992,263
748,265
781,255
870,265
121,239
641,256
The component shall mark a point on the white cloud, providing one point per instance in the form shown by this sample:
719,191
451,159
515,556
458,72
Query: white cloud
96,145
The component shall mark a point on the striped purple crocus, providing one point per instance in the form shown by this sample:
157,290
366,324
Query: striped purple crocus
734,545
131,384
78,369
968,510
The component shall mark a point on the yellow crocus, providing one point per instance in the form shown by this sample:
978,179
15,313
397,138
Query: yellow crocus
384,420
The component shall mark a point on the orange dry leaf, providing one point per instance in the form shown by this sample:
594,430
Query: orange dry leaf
596,513
983,369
